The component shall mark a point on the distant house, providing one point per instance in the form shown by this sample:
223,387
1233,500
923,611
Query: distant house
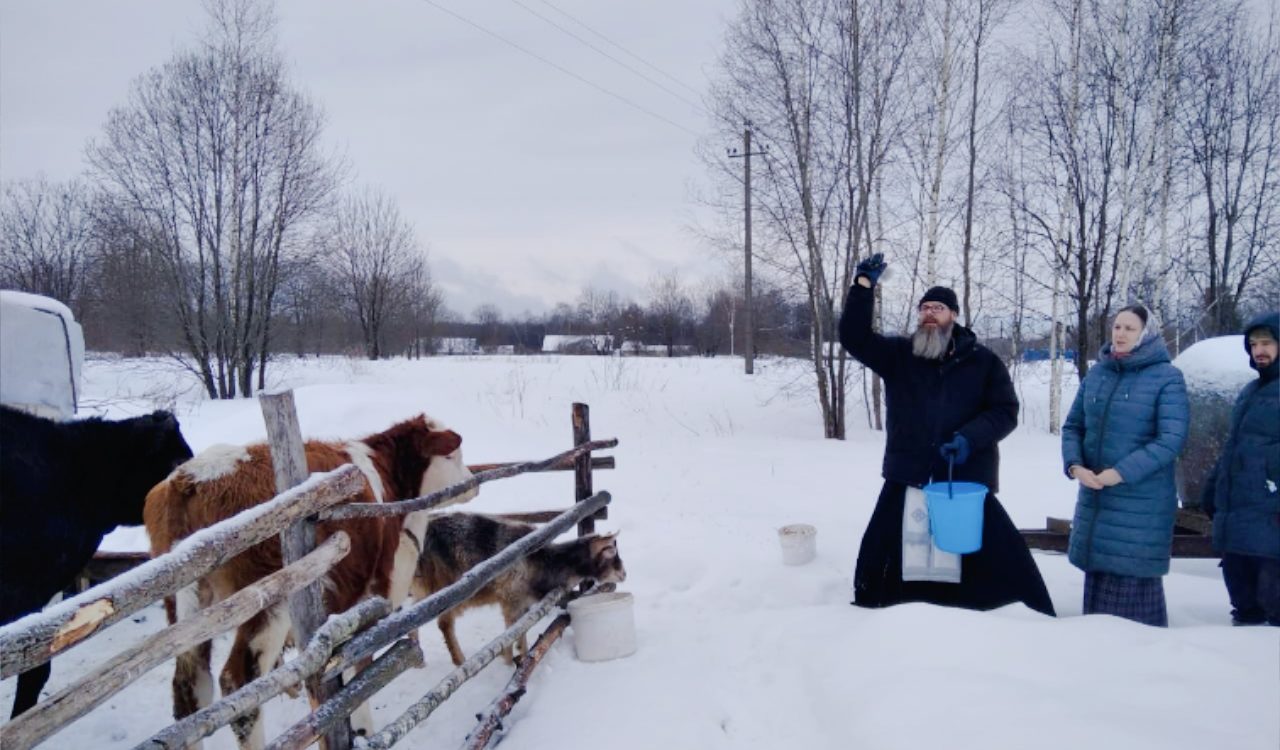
564,344
455,345
639,349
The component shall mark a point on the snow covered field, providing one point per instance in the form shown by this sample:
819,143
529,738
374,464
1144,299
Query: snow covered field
736,650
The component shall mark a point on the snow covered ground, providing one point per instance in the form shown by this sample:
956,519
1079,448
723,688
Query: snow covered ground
736,650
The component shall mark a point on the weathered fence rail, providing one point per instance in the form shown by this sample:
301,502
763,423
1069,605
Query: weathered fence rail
341,642
333,632
489,729
82,696
36,638
420,613
426,502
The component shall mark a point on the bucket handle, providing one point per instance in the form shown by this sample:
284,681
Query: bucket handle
951,467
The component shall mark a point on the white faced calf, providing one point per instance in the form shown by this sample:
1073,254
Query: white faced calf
410,459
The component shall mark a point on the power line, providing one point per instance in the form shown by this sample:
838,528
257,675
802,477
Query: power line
560,68
647,77
628,52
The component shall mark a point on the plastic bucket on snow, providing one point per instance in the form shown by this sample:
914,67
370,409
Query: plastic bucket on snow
799,543
604,626
955,515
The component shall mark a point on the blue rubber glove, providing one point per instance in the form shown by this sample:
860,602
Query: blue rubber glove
957,449
871,267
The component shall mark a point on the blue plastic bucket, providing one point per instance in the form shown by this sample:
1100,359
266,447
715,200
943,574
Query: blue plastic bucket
955,515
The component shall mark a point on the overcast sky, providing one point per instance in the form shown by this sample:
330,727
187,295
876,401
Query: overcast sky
524,183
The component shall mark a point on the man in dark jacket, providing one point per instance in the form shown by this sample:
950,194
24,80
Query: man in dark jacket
949,399
1241,493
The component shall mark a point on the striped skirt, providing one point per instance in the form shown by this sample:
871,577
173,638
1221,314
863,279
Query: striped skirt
1130,597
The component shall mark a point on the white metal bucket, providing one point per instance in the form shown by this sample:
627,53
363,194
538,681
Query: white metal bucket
799,543
604,626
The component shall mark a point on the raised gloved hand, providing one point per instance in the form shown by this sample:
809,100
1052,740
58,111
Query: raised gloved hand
871,267
957,450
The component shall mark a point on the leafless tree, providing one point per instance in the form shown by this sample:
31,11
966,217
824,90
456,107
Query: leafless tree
1089,102
489,320
423,309
221,157
670,308
1231,120
818,81
125,304
985,15
46,239
378,260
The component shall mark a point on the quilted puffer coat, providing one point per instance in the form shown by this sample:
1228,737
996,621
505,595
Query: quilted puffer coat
1130,415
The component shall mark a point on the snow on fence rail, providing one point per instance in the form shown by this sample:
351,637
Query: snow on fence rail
343,641
40,636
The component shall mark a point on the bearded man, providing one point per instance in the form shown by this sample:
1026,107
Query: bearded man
949,401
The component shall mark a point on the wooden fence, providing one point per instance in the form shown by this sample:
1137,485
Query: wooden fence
332,645
1192,535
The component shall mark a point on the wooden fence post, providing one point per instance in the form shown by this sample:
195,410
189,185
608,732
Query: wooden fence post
582,468
306,606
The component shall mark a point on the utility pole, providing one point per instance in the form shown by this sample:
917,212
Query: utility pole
749,348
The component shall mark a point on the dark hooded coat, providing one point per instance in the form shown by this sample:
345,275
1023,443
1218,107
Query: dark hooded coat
1242,492
928,401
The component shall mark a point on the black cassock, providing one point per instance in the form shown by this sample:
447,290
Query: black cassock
1000,573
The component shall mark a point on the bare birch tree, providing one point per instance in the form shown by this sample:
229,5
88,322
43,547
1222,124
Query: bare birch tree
380,264
817,79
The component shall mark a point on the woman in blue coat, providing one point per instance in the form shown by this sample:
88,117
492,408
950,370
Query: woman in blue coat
1125,429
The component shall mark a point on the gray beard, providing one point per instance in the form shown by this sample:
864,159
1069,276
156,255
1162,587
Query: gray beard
931,343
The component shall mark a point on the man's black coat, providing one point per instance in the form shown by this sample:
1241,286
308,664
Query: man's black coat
928,401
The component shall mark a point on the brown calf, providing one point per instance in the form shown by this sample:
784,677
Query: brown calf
410,459
457,542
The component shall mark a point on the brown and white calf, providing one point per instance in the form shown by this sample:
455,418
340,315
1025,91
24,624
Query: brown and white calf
410,459
457,542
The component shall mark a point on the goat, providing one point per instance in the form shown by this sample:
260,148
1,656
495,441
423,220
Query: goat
457,542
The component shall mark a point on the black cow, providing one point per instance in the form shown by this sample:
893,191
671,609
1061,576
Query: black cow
63,486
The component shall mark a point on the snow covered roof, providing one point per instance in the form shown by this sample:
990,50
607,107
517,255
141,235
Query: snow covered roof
456,345
554,342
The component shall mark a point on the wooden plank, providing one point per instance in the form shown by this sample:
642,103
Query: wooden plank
36,638
371,510
85,694
1058,525
104,566
597,463
1194,521
581,417
335,631
404,654
420,613
489,731
1193,545
1184,545
1051,541
306,606
533,516
425,706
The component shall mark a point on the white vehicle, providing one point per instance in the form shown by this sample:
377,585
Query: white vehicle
41,355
